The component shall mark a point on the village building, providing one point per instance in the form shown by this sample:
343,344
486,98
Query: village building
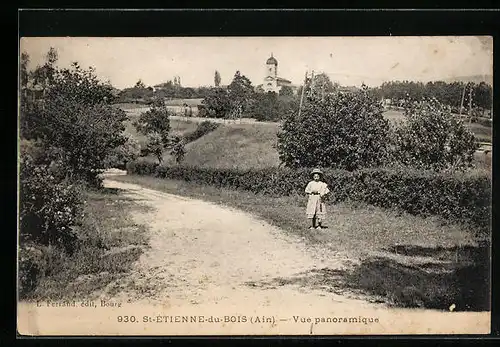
272,82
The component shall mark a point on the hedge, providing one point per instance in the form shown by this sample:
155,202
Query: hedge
458,196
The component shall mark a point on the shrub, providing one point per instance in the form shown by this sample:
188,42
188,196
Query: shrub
432,139
462,197
49,209
344,131
120,156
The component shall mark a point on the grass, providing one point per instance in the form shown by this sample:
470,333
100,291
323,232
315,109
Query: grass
396,258
130,106
482,133
235,145
112,242
181,102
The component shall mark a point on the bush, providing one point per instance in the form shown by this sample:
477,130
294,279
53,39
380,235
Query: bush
49,209
431,138
344,131
461,197
120,156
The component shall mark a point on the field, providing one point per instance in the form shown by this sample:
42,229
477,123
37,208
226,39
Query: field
182,102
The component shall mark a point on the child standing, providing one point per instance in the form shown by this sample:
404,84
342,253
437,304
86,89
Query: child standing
316,189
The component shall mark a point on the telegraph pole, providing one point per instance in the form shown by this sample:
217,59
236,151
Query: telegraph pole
312,81
470,104
462,102
302,94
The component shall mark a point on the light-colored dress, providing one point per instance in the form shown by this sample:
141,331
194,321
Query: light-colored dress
316,190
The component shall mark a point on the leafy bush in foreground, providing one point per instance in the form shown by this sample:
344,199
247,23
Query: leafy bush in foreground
344,131
431,138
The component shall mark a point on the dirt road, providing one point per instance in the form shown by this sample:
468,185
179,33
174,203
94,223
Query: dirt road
203,253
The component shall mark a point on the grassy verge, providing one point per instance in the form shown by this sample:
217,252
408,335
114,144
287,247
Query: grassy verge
111,242
400,259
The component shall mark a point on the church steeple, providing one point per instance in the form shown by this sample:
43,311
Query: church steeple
272,60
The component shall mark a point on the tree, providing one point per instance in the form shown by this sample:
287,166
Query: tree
240,94
286,91
483,95
178,149
216,104
121,155
140,85
346,131
265,107
431,138
76,120
24,75
217,78
323,83
155,124
43,76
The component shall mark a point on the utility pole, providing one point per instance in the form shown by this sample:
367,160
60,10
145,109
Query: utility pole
312,81
302,94
470,103
462,102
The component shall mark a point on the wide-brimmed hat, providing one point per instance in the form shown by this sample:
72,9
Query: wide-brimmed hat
316,171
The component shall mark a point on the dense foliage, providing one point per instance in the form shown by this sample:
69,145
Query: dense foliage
76,118
450,94
346,131
69,131
431,138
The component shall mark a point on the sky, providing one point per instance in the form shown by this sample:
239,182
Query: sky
346,60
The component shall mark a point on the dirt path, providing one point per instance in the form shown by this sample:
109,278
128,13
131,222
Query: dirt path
202,253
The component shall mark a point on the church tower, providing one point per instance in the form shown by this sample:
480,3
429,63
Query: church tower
271,79
272,67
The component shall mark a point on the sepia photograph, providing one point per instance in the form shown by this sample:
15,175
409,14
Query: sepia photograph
194,186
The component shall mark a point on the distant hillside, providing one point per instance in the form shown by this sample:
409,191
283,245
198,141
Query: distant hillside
244,146
472,78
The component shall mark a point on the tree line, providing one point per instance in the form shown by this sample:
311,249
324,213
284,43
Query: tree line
453,94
